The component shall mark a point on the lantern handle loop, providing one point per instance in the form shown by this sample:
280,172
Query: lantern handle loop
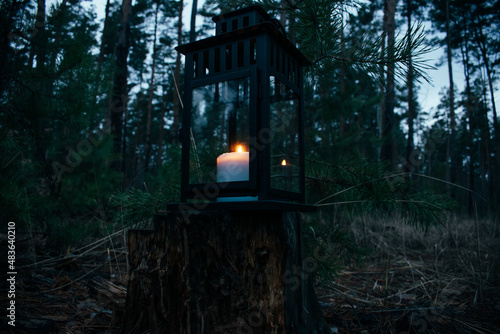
176,87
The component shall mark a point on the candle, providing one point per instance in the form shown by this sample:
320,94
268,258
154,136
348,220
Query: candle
233,166
287,173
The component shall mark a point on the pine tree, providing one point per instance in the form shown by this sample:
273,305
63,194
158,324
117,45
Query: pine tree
411,10
119,99
50,123
442,19
177,80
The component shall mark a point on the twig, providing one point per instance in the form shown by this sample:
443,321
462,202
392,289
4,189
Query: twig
81,277
401,174
126,256
411,269
117,264
474,328
359,185
365,301
425,289
176,87
408,309
108,259
55,259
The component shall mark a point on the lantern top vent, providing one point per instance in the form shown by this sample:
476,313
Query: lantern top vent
245,23
239,19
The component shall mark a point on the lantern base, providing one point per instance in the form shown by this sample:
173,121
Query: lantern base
239,206
237,199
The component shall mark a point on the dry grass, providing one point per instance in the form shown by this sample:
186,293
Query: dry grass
443,281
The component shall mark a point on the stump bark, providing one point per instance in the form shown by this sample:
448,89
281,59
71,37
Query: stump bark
221,272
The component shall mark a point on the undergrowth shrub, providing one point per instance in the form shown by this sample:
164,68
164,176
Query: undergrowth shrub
347,194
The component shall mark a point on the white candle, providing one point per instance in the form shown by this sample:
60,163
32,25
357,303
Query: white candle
233,166
287,172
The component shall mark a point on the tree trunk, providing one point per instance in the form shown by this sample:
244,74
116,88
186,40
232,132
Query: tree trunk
388,149
491,88
283,15
487,174
57,17
411,105
469,109
480,40
38,46
194,12
221,272
451,159
490,149
8,13
147,158
100,58
120,90
136,168
381,110
161,130
174,130
342,79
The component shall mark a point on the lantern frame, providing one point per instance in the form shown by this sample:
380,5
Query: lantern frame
248,45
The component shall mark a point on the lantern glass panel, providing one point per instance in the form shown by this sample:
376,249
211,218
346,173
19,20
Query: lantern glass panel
285,160
219,124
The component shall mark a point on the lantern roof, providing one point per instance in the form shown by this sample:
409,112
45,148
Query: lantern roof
259,22
253,8
242,18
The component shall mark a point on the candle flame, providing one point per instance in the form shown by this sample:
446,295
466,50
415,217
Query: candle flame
283,163
239,148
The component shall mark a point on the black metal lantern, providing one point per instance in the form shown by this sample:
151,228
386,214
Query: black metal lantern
242,127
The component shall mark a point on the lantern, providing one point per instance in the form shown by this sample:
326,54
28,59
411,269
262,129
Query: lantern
242,130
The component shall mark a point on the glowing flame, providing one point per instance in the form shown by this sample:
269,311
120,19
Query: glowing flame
239,148
283,163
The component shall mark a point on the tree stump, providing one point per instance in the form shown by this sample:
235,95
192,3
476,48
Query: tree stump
221,272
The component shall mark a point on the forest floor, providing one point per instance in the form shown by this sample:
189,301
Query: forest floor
445,281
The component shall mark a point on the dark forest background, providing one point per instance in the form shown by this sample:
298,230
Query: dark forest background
90,112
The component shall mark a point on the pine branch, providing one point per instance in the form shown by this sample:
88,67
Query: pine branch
364,55
367,190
